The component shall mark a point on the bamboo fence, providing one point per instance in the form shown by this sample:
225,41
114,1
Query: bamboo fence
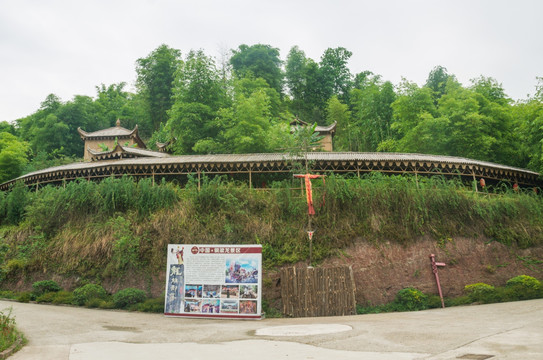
310,292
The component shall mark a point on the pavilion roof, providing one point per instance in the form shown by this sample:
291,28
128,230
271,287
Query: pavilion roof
320,129
118,132
124,151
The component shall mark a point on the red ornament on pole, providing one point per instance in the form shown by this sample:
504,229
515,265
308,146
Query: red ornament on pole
310,234
482,182
308,190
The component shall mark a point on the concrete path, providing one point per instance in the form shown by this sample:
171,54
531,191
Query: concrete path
497,331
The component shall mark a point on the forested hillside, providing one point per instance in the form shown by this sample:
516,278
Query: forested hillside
243,104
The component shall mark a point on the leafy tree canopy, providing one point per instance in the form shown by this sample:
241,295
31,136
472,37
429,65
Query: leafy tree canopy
260,61
13,156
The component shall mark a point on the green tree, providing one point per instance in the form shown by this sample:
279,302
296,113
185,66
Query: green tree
262,61
7,127
412,102
295,75
53,128
248,124
528,122
190,123
198,94
13,156
113,102
371,104
437,81
197,80
338,112
495,107
336,75
472,122
248,85
156,74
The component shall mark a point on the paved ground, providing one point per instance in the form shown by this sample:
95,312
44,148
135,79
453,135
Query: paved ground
499,331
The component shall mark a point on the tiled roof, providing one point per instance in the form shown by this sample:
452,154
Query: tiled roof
110,133
276,157
130,150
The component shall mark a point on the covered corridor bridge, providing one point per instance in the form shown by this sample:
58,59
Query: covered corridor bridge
249,166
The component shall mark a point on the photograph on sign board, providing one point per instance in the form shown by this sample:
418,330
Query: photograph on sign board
192,306
193,291
242,270
212,291
229,306
211,306
230,291
247,307
176,255
248,291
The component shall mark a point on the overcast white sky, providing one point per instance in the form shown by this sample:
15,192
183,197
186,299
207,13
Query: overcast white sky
67,47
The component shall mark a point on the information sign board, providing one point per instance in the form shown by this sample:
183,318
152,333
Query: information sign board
214,281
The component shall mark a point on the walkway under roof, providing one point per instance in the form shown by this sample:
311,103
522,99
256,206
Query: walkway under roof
251,164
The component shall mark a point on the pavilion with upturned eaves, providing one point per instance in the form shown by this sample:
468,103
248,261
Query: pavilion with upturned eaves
327,133
115,143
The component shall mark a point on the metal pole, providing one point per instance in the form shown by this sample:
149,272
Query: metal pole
434,270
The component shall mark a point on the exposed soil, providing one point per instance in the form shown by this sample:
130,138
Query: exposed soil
381,271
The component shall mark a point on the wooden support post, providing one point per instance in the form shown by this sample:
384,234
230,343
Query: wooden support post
474,180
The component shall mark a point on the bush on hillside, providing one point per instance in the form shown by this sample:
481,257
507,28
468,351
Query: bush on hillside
155,305
127,297
411,299
45,286
88,292
524,287
481,292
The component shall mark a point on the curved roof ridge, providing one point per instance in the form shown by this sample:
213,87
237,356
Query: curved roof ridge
116,131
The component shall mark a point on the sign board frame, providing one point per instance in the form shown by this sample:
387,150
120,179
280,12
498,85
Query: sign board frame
214,281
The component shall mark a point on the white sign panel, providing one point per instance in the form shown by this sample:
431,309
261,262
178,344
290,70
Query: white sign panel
214,281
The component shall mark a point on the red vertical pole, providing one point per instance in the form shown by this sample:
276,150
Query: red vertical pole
434,270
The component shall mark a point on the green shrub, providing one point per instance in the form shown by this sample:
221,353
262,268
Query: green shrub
14,267
127,297
88,292
106,304
99,303
45,286
481,292
63,297
25,297
377,309
434,301
7,294
270,310
16,201
411,299
458,301
524,287
46,298
8,332
155,305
